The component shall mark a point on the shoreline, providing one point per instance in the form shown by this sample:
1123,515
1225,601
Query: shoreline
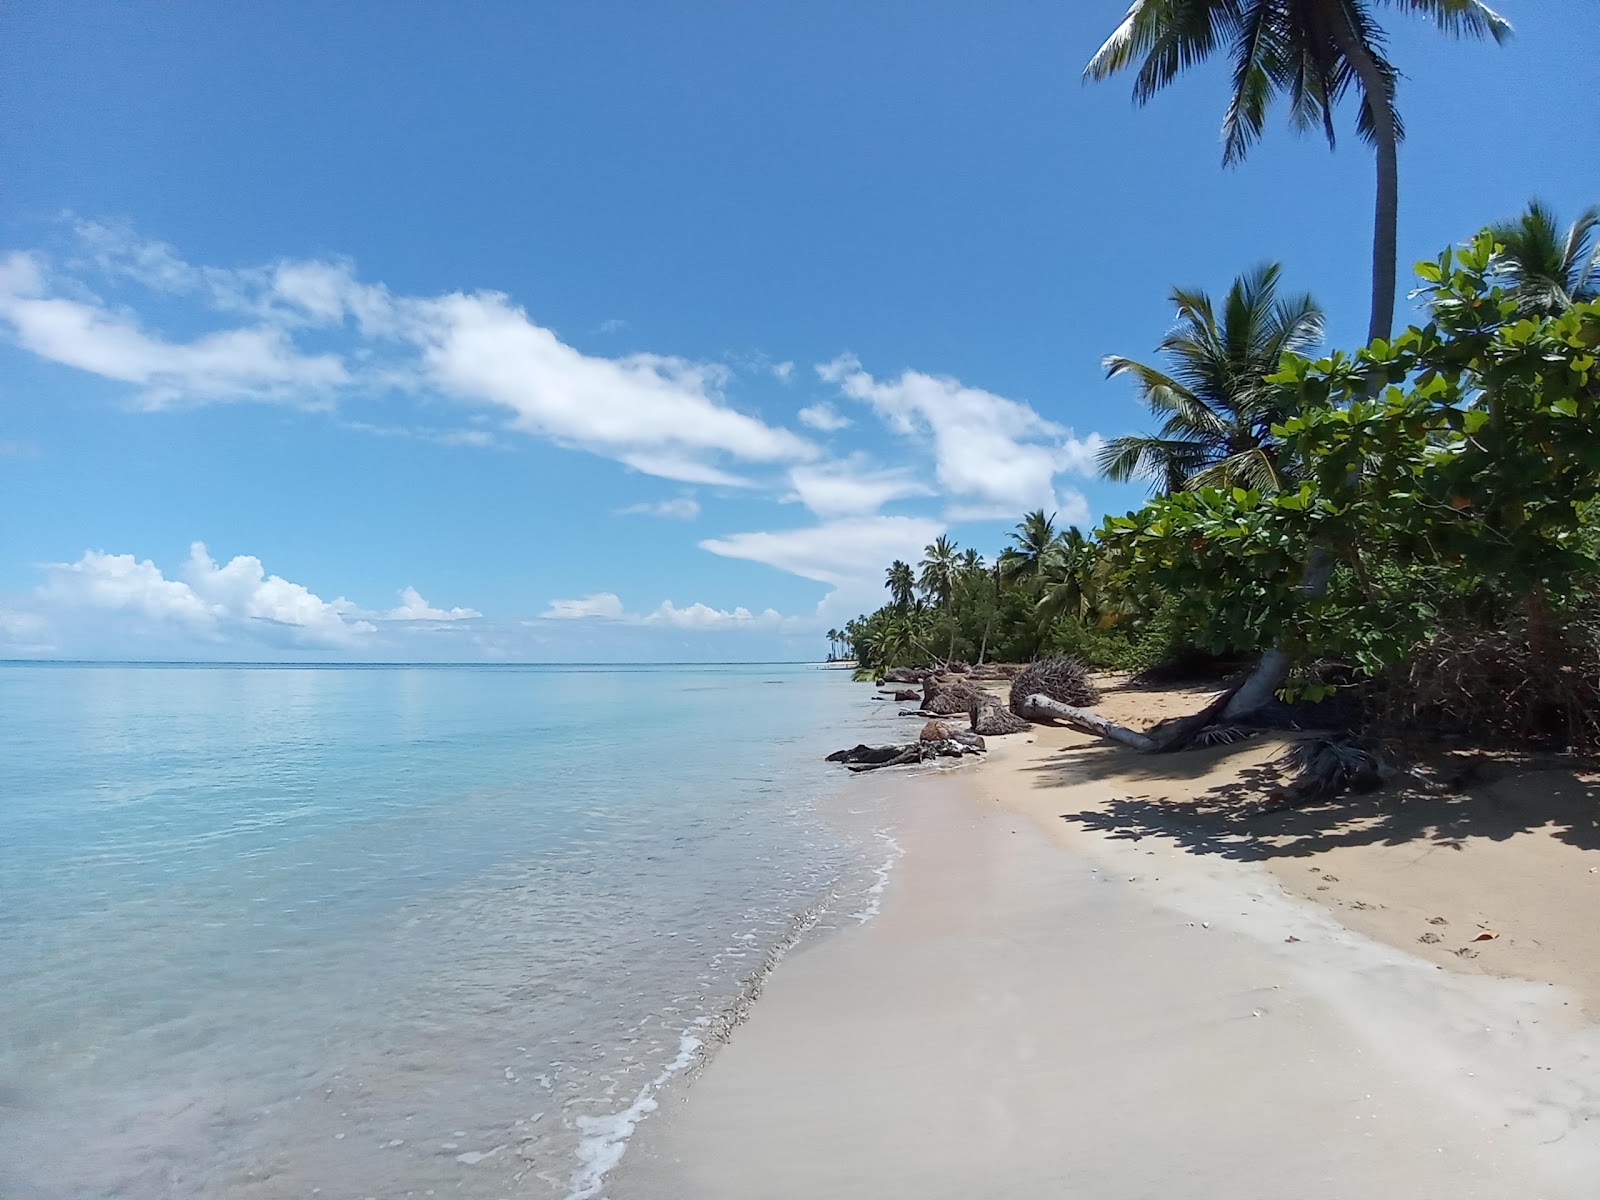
1043,1003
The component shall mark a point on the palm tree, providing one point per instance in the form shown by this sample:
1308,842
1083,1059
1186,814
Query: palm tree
940,564
1031,540
1310,50
1549,271
1218,408
1064,587
833,644
900,582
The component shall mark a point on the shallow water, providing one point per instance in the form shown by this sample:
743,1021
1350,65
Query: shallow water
271,932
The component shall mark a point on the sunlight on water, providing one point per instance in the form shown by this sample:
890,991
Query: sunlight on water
378,931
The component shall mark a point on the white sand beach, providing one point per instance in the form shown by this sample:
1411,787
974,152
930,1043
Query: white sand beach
1049,1007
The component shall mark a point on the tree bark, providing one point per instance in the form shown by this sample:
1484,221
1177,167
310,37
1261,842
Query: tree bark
1386,212
1273,667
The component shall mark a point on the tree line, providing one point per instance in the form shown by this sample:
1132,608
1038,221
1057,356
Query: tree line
1413,521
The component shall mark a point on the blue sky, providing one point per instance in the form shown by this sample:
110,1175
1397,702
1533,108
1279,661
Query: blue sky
606,331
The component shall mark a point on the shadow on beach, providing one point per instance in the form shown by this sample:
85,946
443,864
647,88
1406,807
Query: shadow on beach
1216,802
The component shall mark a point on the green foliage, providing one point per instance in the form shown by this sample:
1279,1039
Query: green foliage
1453,466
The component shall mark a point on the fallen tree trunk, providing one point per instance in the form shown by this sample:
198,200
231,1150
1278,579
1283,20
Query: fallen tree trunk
1041,707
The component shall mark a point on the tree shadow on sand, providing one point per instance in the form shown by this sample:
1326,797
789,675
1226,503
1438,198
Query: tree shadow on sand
1456,798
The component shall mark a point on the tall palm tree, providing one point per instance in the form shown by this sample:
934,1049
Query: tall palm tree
1549,270
1312,51
901,583
940,564
1218,409
1030,541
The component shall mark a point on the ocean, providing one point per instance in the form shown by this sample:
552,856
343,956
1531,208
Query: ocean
396,931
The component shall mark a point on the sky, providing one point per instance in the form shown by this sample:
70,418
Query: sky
617,332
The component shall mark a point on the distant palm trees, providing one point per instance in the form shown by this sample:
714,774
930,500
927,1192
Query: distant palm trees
1218,409
1313,51
940,567
1549,269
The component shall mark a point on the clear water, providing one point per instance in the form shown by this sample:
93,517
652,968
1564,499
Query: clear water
271,932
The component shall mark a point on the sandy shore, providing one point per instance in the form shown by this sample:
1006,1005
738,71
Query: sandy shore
1125,1004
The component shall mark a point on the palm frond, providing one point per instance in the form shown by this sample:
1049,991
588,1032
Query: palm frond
1461,18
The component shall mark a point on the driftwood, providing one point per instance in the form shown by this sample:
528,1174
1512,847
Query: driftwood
875,758
1165,736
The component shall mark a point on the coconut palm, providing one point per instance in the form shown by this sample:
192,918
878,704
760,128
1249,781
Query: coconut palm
1311,51
1218,409
1064,578
1548,270
1030,541
940,565
901,584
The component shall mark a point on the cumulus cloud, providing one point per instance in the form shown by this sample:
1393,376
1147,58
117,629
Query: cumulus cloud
414,608
703,616
683,508
824,417
989,452
210,601
850,486
606,605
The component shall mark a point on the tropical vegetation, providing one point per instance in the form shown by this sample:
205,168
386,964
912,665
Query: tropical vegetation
1456,505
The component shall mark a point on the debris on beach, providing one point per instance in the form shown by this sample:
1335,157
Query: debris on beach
872,758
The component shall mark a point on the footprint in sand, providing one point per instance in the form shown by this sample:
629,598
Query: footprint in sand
1437,921
1430,937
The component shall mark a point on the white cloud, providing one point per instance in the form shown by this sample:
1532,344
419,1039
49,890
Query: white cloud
683,508
703,616
850,487
987,449
211,601
783,372
683,470
823,416
659,414
414,608
836,552
256,362
605,605
611,325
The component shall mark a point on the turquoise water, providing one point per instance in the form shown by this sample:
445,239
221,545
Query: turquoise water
271,932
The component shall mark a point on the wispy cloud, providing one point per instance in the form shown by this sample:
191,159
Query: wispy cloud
823,417
608,606
659,414
683,508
